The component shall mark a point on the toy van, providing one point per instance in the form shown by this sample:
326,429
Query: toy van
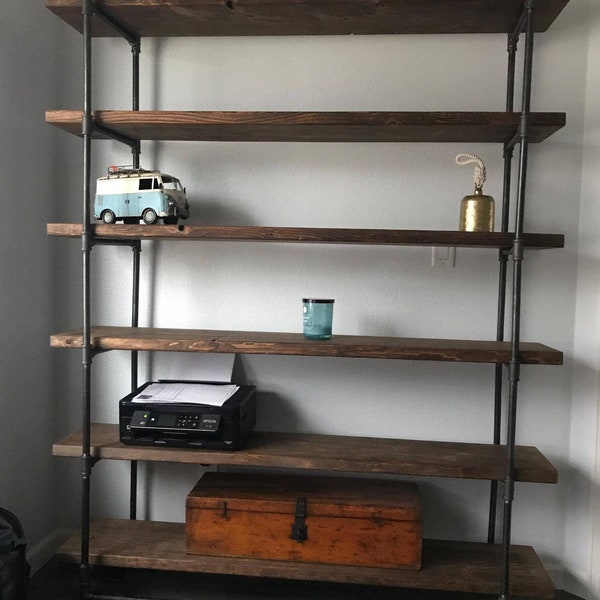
130,194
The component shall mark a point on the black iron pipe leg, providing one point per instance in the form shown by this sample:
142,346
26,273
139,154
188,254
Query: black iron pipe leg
87,244
502,271
518,252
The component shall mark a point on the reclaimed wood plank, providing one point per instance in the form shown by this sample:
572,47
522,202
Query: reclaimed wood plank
450,566
332,453
278,126
323,235
294,344
308,17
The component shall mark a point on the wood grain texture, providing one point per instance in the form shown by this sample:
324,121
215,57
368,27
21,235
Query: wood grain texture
294,344
348,454
328,496
257,126
349,521
308,17
321,235
447,565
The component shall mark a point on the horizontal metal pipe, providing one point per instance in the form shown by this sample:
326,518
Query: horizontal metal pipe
105,242
109,597
117,136
114,24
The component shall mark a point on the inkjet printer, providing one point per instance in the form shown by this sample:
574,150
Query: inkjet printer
193,414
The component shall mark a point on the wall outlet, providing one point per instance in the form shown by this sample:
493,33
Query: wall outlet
443,256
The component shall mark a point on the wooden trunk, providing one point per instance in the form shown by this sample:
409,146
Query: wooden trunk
345,521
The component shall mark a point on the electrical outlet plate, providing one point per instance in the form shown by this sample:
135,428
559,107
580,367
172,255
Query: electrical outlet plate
443,257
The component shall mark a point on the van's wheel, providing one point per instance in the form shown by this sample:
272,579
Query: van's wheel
150,217
108,217
170,220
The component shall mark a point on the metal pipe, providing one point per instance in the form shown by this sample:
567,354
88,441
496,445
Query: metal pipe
109,133
137,248
519,27
135,306
498,378
105,16
500,325
518,248
87,351
513,141
109,242
135,94
110,597
502,270
510,84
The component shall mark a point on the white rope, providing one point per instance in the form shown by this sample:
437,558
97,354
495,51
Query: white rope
479,173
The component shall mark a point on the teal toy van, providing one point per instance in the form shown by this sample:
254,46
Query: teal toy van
127,194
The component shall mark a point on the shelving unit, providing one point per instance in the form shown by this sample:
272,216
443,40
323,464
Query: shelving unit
489,568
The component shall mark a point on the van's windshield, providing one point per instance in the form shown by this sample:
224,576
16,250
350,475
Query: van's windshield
171,183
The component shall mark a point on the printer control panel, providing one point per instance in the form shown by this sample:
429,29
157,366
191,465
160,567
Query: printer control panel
145,419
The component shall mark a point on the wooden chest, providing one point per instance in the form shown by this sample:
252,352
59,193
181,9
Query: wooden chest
331,520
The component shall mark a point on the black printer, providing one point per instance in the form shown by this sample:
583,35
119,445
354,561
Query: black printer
144,421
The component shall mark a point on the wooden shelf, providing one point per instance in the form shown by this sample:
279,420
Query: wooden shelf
248,233
294,344
308,17
238,126
448,566
332,453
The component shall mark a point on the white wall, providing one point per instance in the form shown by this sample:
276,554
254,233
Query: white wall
379,291
582,555
28,38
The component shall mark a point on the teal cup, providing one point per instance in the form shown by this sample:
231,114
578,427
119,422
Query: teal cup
317,316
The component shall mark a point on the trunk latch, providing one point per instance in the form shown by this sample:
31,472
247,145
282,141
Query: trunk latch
299,527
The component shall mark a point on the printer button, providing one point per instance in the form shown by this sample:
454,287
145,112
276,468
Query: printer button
140,418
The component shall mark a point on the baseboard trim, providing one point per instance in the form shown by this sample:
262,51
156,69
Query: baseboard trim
557,574
577,584
43,551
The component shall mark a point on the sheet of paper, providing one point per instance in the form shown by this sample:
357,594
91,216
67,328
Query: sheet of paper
192,366
186,393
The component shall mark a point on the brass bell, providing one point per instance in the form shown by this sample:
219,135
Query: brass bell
476,210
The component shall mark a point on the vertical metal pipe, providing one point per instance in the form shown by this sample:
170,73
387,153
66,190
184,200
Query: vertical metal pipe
135,304
135,92
133,477
502,278
518,246
500,325
87,242
513,40
135,307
